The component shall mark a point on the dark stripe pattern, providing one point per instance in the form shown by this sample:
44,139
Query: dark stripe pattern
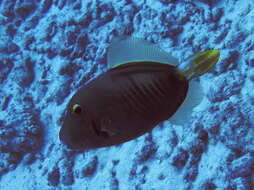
142,97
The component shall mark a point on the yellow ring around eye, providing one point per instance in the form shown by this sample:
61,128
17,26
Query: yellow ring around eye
76,108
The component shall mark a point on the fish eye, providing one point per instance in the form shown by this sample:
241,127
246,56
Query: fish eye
76,108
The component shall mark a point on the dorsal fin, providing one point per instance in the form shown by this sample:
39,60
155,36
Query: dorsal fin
129,49
194,97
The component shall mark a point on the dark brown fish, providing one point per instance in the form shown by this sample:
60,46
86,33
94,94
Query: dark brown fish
132,97
122,104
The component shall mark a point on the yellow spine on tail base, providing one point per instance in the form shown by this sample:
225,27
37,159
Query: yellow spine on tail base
199,63
193,66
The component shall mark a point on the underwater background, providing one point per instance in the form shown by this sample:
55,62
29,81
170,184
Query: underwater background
50,48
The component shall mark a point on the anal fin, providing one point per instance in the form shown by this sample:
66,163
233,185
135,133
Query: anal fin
194,97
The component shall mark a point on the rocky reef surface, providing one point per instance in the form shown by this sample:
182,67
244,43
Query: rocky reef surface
50,48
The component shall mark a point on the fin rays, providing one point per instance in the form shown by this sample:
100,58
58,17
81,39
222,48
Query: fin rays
129,49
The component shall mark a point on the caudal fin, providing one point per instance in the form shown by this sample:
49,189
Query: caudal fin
199,63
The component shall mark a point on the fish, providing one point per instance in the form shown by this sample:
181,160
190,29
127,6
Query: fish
143,86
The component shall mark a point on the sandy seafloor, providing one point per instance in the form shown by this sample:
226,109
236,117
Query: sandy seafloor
50,48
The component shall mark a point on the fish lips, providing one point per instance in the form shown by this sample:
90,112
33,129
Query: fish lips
68,143
63,136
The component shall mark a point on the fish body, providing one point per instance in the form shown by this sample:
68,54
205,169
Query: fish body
124,103
143,87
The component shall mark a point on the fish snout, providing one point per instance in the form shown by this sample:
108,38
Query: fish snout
63,137
72,142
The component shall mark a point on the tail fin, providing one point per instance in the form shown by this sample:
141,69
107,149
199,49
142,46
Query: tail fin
199,63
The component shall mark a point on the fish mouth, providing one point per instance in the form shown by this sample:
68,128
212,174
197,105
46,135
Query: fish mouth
62,136
68,144
63,139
